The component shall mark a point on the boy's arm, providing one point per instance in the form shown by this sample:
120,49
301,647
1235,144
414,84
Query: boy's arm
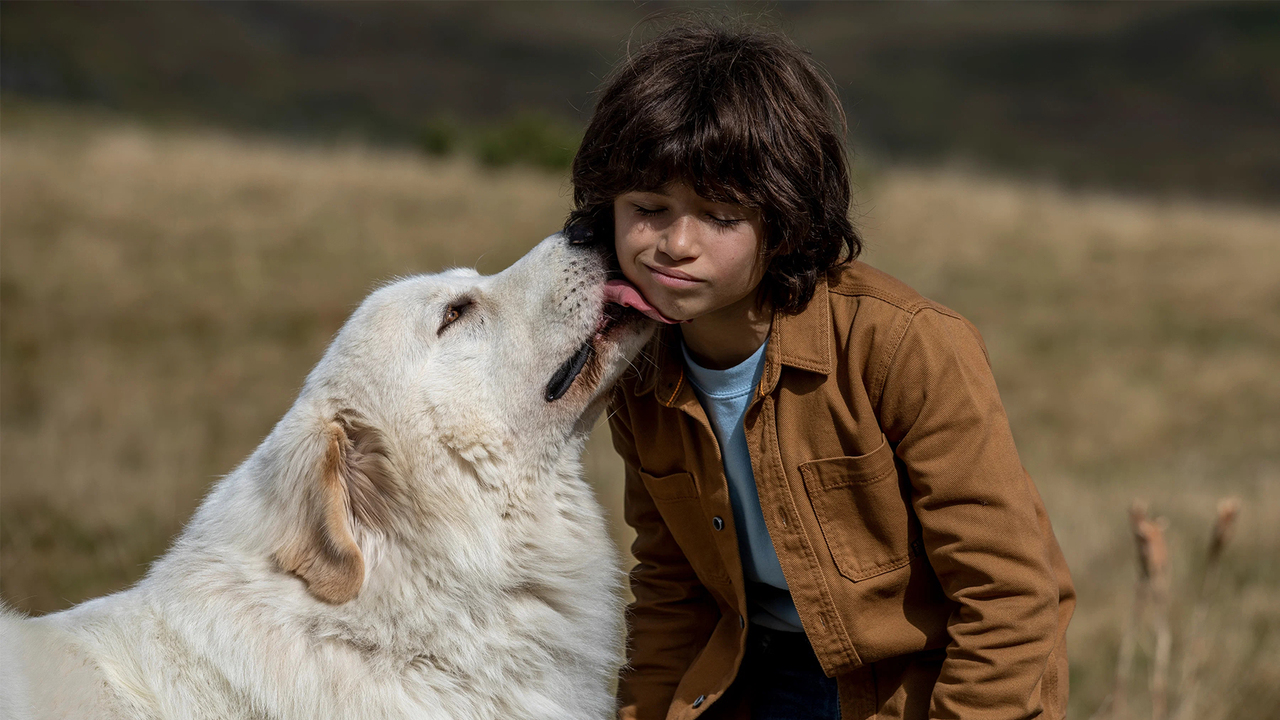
976,507
673,613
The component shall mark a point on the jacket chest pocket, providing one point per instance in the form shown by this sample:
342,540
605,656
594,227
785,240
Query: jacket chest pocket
865,515
676,497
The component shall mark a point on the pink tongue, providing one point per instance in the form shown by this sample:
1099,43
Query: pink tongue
625,294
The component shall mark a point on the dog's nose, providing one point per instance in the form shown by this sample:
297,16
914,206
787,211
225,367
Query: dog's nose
580,235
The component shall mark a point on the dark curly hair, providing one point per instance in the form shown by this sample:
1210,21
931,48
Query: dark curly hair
741,116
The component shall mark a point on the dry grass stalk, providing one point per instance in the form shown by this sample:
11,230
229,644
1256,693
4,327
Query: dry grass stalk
1150,594
1153,596
1154,554
1193,660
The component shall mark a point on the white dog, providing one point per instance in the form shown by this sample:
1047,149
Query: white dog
414,539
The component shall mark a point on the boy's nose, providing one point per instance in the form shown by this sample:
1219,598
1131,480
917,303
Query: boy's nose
677,240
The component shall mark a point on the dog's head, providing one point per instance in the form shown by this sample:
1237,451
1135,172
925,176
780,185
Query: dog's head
490,379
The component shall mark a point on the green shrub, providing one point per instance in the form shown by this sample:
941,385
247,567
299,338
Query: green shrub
438,137
528,138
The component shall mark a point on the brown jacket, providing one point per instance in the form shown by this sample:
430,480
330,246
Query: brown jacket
915,545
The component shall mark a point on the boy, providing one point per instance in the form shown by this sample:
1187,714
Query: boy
831,517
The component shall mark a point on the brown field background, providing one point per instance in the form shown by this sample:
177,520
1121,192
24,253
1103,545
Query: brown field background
164,292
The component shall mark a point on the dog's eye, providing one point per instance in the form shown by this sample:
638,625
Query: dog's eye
452,312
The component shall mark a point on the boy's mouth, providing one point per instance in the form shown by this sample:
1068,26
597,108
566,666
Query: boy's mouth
671,278
672,273
625,294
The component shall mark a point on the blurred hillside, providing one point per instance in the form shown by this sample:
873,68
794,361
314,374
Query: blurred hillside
1141,96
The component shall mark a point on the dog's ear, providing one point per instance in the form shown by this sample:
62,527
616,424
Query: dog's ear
350,495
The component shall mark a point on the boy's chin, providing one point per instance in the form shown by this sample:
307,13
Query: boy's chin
673,311
670,311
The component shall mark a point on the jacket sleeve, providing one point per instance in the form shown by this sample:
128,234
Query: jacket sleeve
673,614
976,507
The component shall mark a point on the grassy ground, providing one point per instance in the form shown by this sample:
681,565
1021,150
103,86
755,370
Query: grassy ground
162,295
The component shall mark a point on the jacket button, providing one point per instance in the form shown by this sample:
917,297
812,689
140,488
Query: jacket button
698,702
717,522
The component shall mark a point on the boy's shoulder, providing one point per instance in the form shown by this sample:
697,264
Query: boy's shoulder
854,282
878,308
857,279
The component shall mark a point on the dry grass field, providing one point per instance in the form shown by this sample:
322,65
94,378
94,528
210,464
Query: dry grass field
163,293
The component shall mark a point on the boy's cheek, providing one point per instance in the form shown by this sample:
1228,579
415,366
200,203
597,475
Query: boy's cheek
626,259
637,276
632,274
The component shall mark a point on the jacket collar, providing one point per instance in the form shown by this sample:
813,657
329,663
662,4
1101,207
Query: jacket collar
801,341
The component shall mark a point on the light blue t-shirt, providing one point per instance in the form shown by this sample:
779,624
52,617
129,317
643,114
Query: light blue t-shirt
724,395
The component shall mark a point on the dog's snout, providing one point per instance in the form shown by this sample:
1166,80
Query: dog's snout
586,256
580,235
586,244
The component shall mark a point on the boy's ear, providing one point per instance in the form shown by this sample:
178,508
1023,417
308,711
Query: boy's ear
350,492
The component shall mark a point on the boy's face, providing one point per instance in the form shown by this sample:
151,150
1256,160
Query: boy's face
690,257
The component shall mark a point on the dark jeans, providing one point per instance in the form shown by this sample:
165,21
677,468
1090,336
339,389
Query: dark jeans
781,678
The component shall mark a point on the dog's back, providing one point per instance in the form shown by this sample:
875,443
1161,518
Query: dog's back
15,702
50,666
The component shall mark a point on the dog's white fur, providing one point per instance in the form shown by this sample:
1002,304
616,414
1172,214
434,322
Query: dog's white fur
413,539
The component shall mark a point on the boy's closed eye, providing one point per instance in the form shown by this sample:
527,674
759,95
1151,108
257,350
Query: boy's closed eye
713,217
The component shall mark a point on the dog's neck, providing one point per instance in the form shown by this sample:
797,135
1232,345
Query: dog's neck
474,541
